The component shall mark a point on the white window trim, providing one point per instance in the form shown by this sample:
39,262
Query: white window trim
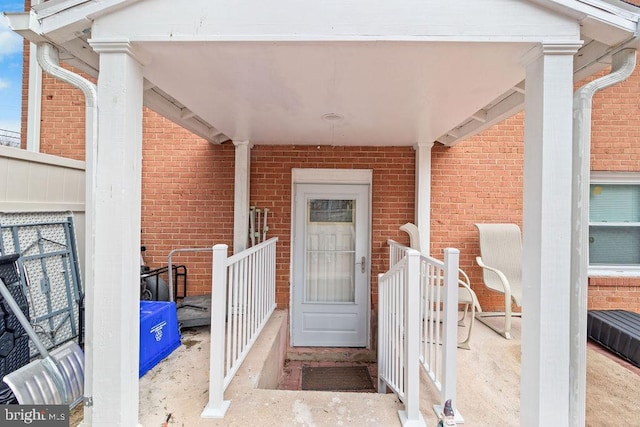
602,177
607,177
331,176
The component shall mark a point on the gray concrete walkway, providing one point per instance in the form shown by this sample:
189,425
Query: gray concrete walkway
488,388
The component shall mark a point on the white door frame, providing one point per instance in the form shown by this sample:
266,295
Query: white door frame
330,176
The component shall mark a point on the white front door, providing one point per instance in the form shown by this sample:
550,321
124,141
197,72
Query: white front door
330,265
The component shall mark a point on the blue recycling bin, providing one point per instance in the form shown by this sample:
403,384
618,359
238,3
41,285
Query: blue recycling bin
159,334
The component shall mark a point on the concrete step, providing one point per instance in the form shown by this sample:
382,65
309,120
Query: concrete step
331,354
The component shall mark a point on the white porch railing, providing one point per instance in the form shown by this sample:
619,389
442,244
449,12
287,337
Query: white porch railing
418,304
242,300
399,335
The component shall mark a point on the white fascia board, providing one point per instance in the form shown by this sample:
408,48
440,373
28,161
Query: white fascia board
329,20
26,25
68,11
73,51
64,20
600,20
51,7
580,9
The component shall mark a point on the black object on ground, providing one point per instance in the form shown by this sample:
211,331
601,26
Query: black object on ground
337,378
14,342
616,330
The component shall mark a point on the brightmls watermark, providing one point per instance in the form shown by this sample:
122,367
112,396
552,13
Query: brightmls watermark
34,415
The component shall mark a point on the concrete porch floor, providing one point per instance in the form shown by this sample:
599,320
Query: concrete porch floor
488,388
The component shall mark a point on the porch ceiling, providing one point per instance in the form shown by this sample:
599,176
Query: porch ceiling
375,93
342,72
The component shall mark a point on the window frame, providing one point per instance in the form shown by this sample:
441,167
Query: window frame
613,178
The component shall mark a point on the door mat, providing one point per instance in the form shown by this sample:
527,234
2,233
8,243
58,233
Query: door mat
337,378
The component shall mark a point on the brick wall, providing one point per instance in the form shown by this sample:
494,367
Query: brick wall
607,293
63,115
478,180
25,86
392,203
187,198
616,147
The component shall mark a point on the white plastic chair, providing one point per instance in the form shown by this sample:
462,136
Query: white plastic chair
466,295
501,262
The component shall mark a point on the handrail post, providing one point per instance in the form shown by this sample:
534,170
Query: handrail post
450,333
217,406
411,415
382,336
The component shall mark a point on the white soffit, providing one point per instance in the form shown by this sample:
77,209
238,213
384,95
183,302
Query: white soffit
382,93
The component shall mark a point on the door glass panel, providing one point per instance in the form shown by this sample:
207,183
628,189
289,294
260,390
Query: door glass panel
330,251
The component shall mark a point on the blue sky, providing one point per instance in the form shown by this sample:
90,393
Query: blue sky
10,69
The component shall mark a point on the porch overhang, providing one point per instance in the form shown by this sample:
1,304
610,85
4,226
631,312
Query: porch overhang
343,73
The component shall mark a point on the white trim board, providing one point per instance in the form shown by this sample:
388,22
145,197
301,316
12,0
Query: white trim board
331,176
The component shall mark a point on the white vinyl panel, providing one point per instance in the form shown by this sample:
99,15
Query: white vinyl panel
73,185
4,178
17,181
38,182
53,184
37,178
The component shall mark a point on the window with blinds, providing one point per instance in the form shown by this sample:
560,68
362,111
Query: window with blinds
614,224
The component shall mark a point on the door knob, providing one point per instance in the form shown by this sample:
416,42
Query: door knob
363,265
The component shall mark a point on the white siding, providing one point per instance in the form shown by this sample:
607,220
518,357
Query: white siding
35,182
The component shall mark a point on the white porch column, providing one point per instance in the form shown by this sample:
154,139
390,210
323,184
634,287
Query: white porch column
241,196
423,194
113,335
546,267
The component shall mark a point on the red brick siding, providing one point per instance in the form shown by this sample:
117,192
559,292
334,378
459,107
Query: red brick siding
25,86
478,180
392,204
62,130
187,198
616,147
25,95
616,127
606,293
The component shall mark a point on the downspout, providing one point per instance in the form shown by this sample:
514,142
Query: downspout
34,97
623,64
50,63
